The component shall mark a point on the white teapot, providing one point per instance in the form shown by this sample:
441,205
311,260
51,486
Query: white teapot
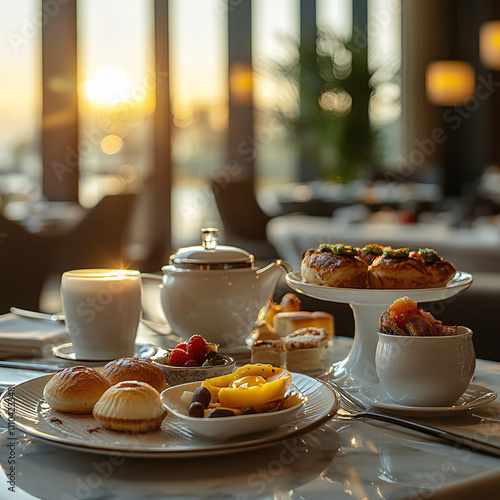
215,290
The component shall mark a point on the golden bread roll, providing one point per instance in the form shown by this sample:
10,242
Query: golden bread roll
288,322
334,265
143,370
130,406
75,389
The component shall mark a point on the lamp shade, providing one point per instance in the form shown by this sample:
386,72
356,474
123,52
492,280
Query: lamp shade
489,44
449,83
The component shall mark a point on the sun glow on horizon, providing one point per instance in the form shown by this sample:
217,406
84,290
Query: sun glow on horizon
112,86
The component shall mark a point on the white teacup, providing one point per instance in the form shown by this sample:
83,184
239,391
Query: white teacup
426,371
103,309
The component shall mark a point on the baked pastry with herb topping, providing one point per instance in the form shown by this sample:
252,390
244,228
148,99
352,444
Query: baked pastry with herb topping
334,265
370,252
440,270
400,268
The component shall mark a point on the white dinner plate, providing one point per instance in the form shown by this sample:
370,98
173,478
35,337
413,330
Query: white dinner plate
475,395
173,439
66,351
460,281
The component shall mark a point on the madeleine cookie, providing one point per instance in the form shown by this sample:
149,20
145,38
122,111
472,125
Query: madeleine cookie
130,406
143,370
75,390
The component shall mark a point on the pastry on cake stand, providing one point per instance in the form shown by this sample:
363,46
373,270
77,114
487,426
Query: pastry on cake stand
367,304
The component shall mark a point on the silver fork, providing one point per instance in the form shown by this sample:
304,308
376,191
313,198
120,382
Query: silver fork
353,408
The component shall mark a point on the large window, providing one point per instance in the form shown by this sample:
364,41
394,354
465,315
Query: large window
199,89
20,105
116,95
117,78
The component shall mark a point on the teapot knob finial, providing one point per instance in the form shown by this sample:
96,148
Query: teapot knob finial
209,237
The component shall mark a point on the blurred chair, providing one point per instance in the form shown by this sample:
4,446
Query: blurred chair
99,239
24,265
243,219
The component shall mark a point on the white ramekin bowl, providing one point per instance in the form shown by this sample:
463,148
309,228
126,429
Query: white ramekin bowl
425,371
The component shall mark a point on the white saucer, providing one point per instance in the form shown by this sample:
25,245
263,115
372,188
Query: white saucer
475,395
65,351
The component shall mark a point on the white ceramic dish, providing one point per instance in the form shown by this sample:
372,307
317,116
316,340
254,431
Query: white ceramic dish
66,351
358,368
164,329
174,439
426,370
474,396
374,296
221,429
175,375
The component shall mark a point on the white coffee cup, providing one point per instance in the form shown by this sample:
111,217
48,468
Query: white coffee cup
426,371
103,309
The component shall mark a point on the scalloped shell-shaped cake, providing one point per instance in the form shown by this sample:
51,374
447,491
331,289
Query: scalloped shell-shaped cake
130,406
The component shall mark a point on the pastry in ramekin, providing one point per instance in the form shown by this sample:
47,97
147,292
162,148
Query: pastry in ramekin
334,265
404,318
75,390
143,370
130,406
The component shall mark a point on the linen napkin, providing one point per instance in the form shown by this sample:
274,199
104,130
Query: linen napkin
25,337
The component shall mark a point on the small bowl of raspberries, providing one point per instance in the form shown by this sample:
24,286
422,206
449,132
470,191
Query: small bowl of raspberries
193,360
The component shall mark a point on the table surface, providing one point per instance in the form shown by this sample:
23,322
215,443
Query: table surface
340,459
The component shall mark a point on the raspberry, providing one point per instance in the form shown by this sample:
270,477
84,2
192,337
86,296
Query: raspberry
182,346
191,362
177,357
197,348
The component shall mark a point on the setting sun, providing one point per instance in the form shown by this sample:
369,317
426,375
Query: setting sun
109,87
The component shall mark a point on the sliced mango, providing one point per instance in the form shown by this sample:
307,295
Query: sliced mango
258,369
249,386
215,384
248,397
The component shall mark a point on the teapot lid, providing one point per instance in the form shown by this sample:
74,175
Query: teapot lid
209,255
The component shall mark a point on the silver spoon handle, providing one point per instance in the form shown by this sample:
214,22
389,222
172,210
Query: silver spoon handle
433,431
37,315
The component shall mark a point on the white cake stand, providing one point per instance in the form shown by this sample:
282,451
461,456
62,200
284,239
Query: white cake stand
358,368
